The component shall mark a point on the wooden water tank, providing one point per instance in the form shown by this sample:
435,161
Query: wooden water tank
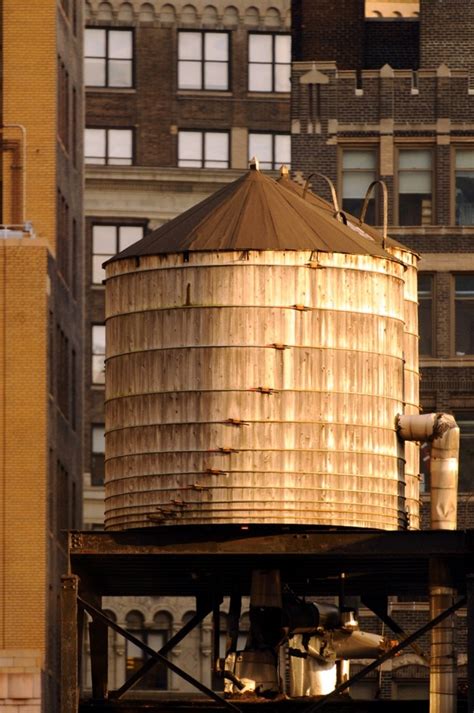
255,367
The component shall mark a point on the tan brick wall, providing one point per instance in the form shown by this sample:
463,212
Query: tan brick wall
23,434
29,99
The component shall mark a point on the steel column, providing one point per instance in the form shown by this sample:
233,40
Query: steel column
69,645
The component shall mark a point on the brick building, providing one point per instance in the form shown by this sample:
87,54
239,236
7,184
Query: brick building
178,95
384,90
40,337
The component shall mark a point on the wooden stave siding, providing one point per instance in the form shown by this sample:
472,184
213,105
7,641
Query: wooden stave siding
412,382
131,293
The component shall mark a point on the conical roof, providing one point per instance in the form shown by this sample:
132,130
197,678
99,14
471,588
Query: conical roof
363,228
254,213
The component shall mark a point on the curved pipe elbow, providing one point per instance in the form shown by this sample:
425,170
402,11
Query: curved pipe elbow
443,432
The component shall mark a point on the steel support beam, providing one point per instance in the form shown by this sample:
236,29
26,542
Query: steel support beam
201,614
99,615
379,608
385,657
69,645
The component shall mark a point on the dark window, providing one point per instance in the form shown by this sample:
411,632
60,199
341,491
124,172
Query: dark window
108,58
63,104
113,147
359,169
107,241
464,315
62,500
415,186
425,314
75,135
272,150
75,267
465,421
203,149
269,62
203,60
74,376
63,236
465,187
98,354
62,372
98,454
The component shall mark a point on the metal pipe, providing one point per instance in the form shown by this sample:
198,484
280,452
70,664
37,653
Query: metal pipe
312,708
442,431
23,166
330,184
443,681
385,207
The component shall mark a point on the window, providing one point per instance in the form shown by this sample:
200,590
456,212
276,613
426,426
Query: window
98,455
272,150
203,149
415,187
269,62
109,146
108,58
156,637
359,169
63,380
63,105
464,315
203,60
98,354
107,241
465,421
425,313
464,180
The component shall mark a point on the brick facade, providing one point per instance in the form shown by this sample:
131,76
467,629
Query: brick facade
379,102
41,338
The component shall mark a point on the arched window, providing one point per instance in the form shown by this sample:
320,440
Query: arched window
154,636
135,624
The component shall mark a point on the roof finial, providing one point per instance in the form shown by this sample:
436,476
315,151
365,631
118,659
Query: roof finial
284,171
254,164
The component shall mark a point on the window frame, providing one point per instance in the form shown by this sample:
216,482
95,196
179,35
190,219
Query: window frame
106,222
454,354
273,134
94,453
106,162
432,276
273,35
93,354
468,145
203,133
203,60
106,59
366,146
418,146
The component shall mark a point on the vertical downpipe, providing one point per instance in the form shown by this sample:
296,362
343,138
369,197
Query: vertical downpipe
443,680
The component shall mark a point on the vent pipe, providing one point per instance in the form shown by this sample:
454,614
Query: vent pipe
442,431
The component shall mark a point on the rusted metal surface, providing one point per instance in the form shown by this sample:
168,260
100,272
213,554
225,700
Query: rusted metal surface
193,560
69,645
190,346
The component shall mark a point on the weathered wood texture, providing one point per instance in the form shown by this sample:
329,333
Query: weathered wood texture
411,377
253,388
